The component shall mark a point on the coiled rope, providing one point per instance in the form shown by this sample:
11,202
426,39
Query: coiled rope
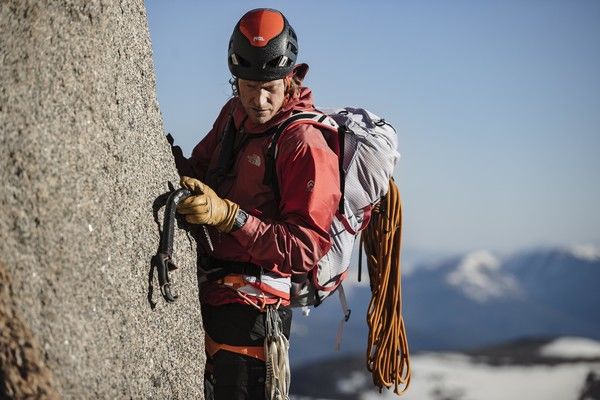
387,348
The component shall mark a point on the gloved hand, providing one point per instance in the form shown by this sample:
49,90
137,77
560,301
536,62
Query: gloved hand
204,206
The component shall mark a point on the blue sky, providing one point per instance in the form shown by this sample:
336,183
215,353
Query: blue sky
497,104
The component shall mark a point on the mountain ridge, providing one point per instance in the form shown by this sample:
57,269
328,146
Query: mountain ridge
471,300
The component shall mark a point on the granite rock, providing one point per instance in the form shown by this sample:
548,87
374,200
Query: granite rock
82,159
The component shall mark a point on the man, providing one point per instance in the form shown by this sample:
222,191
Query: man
262,233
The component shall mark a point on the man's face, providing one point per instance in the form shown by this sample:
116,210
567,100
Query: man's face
261,100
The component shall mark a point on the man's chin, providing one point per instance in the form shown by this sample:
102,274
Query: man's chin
260,119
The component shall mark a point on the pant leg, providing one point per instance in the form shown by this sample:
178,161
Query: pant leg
236,376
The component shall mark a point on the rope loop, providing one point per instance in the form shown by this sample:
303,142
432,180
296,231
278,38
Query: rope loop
387,347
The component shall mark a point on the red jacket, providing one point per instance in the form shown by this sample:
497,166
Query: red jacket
288,237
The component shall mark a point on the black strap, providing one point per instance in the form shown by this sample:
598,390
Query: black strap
342,138
361,244
229,150
215,269
216,175
270,169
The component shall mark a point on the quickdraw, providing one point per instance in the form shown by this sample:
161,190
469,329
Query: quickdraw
277,363
163,260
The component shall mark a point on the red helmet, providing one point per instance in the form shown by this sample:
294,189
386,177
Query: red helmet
263,46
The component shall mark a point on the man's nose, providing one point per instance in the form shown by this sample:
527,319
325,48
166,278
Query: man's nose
262,97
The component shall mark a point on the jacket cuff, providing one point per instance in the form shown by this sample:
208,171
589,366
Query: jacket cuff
246,233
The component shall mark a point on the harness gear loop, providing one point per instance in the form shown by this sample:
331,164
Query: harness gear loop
387,347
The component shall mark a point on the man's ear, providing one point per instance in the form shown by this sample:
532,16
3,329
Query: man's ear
300,71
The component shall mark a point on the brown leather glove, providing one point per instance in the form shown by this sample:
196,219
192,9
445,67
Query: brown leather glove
206,207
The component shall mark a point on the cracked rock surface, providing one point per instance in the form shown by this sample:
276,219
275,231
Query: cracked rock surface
82,158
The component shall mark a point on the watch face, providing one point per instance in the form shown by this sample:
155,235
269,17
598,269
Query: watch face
240,219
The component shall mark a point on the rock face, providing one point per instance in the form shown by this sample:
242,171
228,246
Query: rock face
82,159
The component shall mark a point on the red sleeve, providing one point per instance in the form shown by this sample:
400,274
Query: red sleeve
309,187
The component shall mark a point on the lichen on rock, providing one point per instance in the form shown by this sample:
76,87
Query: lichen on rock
23,373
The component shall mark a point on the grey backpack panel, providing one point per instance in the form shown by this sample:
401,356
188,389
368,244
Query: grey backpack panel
370,155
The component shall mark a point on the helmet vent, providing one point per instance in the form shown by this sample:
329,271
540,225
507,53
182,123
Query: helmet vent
238,61
292,48
292,33
283,62
279,62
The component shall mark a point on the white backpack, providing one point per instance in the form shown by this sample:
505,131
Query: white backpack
366,165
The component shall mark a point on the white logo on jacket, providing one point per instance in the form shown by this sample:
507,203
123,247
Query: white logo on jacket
310,186
255,160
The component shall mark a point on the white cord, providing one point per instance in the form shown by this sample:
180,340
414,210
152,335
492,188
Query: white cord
277,384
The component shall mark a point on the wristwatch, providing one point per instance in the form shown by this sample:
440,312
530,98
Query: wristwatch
240,219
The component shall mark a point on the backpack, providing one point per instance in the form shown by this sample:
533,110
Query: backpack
366,146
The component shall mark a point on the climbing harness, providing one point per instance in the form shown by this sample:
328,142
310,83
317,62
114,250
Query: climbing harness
277,383
163,260
213,347
387,347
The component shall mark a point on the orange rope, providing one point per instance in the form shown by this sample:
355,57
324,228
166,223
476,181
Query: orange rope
387,348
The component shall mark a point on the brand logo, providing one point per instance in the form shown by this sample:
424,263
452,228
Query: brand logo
255,160
310,186
259,39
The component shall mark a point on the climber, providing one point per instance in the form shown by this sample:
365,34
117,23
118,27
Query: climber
262,237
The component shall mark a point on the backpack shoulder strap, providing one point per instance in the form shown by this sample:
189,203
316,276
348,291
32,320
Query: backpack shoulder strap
215,174
230,144
314,118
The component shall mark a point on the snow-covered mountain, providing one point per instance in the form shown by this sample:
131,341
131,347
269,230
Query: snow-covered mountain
472,300
540,369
